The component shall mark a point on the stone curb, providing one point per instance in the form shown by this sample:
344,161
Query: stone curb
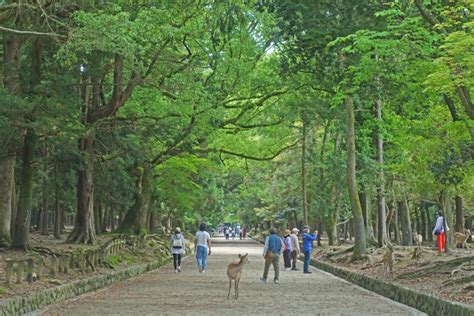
426,303
31,302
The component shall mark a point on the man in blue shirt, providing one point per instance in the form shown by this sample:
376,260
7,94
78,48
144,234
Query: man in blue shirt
273,245
308,246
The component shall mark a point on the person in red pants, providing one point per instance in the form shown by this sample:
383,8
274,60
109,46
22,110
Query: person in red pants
440,231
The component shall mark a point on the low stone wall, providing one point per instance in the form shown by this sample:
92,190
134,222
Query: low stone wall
31,302
426,303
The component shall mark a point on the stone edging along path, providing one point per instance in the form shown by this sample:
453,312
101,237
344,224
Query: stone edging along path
426,303
31,302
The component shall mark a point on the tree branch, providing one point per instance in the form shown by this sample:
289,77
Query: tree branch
21,32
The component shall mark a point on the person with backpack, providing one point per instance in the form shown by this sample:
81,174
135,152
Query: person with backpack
177,248
440,231
271,254
287,248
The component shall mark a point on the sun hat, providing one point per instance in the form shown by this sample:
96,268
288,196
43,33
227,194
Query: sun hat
286,232
295,230
177,230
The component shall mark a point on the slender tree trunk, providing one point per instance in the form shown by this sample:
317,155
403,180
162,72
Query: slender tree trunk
7,181
423,230
13,209
382,228
459,226
303,174
44,216
407,239
396,226
358,220
57,209
22,225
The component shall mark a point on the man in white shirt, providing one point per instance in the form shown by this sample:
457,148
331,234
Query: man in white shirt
202,247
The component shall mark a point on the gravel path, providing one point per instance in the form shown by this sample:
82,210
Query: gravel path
163,292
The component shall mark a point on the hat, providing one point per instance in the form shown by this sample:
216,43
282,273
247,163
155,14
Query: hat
286,232
295,230
306,227
177,230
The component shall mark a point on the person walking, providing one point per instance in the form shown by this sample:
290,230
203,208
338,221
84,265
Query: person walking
226,232
440,231
202,247
287,249
177,248
271,253
308,239
295,247
244,233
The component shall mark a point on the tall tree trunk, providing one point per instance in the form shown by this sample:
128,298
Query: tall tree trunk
382,227
136,218
57,209
459,226
7,181
22,225
303,174
358,220
44,216
396,226
423,230
84,229
407,239
445,204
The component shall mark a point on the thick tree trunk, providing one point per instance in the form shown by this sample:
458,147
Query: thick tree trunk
358,220
7,180
407,239
136,218
423,230
459,226
367,217
22,225
84,230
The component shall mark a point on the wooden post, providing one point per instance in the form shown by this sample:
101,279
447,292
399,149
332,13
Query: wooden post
9,271
29,275
54,266
19,273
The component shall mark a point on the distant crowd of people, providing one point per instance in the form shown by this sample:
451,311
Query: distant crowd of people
232,232
286,245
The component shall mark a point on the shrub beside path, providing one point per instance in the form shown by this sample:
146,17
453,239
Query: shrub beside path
163,292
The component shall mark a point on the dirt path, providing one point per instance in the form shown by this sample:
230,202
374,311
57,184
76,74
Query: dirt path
163,292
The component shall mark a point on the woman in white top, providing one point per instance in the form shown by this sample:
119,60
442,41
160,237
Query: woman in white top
177,248
202,247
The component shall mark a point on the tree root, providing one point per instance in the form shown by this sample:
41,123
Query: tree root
440,267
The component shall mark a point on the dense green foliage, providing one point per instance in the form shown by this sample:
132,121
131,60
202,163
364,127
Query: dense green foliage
142,115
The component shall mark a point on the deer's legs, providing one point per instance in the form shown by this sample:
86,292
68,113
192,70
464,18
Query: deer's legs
230,285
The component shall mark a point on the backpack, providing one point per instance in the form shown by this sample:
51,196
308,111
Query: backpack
177,242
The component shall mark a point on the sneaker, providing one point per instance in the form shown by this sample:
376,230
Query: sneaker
179,269
203,271
263,280
295,269
287,269
175,271
276,281
200,269
307,272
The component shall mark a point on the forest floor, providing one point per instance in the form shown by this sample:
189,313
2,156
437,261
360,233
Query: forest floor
162,292
127,257
446,275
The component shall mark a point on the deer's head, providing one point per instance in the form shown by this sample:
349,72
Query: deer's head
244,259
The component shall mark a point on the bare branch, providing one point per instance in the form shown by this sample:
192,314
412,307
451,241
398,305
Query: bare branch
6,29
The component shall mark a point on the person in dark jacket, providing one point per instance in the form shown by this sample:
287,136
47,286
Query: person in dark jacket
271,253
308,247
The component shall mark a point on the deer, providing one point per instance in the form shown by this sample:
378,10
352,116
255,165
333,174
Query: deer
234,271
417,239
461,238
